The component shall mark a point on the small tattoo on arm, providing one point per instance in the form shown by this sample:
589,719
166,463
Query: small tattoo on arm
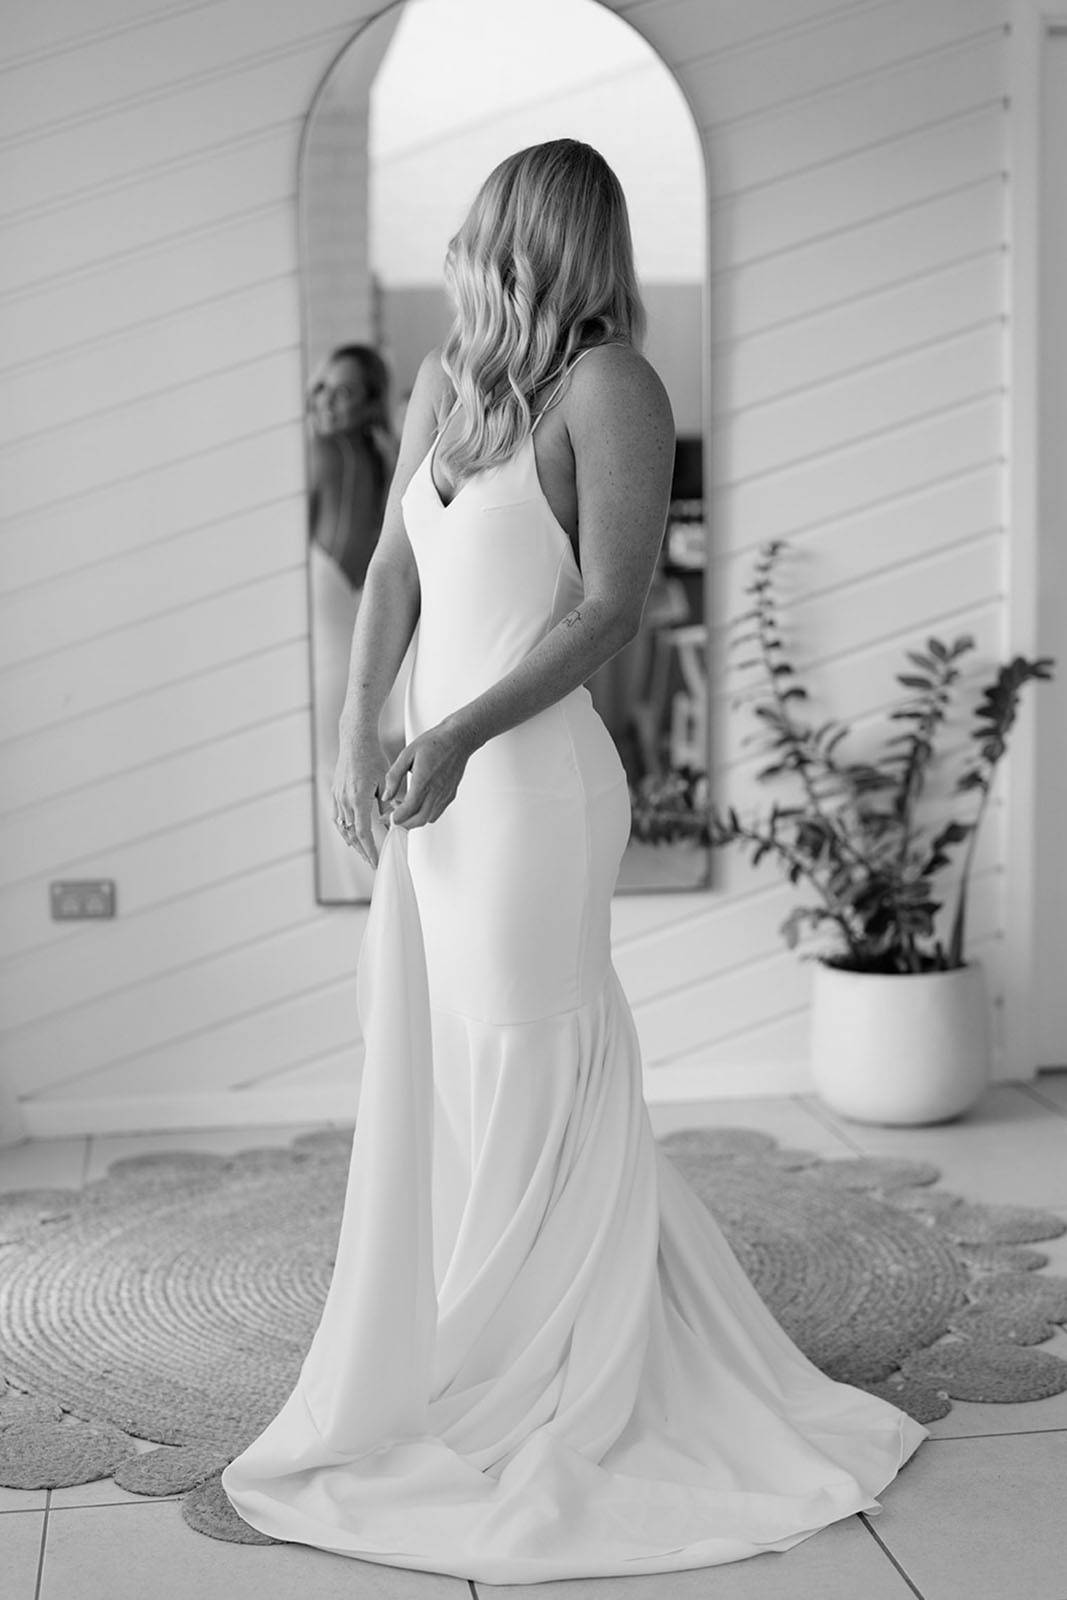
573,617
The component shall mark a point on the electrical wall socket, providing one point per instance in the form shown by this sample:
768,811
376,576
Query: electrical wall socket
82,897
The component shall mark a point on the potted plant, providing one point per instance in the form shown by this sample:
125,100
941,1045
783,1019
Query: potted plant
899,1025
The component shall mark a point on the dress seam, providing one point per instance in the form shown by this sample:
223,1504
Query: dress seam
529,1022
583,924
552,619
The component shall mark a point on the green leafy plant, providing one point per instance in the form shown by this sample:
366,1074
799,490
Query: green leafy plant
855,837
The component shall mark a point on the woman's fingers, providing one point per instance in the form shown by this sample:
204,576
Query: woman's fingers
433,765
358,778
421,805
342,818
415,797
402,813
403,764
363,836
342,811
352,819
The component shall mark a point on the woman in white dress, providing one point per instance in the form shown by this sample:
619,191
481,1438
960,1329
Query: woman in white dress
538,1356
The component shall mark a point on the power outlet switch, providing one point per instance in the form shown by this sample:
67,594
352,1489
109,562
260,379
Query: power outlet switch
75,898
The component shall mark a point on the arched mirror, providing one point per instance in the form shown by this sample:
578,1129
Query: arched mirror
414,113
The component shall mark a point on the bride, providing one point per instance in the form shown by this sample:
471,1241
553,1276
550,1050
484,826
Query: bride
538,1357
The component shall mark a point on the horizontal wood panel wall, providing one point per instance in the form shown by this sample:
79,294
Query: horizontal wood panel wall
153,657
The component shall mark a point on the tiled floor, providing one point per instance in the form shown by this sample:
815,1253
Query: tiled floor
977,1514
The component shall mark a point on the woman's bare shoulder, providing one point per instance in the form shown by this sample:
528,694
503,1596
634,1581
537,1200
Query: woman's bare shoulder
620,360
616,383
432,385
427,404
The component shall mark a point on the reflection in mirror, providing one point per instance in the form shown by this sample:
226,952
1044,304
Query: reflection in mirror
415,113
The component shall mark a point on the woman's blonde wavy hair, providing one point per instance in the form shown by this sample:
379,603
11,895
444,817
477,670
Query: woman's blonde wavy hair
541,267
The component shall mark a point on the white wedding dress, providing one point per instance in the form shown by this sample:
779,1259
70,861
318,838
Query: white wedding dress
538,1357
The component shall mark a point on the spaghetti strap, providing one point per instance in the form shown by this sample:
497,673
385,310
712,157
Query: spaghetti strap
562,380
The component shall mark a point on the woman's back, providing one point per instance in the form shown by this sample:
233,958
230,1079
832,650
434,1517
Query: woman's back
349,483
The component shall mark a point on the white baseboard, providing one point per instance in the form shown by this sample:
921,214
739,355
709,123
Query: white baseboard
230,1108
13,1126
156,1113
164,1113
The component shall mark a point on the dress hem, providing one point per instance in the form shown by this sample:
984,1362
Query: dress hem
717,1550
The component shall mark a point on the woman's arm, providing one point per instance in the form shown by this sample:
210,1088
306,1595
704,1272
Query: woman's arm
619,422
389,610
385,622
314,488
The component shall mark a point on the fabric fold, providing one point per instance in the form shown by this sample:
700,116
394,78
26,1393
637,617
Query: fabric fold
575,1377
538,1357
367,1374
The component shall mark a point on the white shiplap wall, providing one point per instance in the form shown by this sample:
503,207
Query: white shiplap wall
154,675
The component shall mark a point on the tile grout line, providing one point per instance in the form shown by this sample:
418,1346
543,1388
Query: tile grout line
839,1134
44,1539
824,1119
1029,1088
880,1542
1006,1433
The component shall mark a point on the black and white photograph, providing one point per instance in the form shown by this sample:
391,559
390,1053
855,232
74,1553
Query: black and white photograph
533,748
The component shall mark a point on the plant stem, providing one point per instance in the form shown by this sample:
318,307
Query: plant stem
956,942
767,649
772,842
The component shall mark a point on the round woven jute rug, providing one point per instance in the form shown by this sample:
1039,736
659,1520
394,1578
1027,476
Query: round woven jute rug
173,1300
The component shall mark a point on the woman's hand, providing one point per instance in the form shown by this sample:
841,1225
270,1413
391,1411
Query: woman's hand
434,763
357,782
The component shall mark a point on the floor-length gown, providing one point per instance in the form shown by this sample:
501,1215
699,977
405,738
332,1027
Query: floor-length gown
538,1357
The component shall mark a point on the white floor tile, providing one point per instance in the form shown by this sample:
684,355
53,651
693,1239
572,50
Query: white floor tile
1051,1086
1008,1149
43,1164
841,1562
104,1492
976,1513
20,1553
23,1499
982,1519
128,1551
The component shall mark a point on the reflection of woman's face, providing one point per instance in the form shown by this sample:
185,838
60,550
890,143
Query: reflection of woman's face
340,399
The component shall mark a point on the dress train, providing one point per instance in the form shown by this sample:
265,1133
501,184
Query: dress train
539,1357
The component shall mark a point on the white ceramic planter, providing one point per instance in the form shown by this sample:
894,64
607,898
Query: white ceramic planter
900,1049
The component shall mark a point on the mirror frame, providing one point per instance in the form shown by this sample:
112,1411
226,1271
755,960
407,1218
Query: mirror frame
307,131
